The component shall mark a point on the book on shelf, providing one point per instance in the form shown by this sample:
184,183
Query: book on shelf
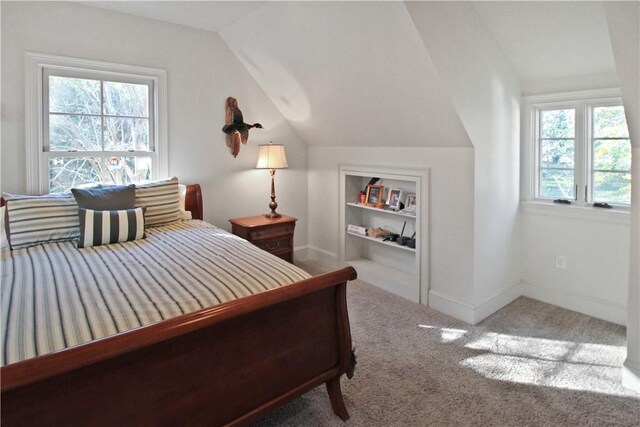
356,229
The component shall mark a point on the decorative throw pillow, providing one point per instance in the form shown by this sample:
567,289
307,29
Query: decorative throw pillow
32,220
104,227
162,200
106,197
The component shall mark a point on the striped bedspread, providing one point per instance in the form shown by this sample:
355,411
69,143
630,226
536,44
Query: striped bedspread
56,296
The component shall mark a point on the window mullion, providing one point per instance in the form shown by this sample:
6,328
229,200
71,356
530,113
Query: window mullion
581,153
538,153
102,114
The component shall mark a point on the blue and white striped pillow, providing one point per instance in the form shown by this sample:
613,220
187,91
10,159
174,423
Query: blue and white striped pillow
162,200
33,220
104,227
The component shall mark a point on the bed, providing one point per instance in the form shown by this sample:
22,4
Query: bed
192,363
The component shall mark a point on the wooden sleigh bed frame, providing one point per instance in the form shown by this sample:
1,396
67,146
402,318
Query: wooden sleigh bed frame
225,365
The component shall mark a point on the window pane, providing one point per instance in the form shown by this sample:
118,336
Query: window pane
612,154
68,172
126,134
126,99
80,133
557,184
609,122
557,123
612,187
557,153
74,96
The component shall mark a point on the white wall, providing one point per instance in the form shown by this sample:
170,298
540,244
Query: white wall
595,244
595,279
570,84
486,93
202,72
450,230
623,19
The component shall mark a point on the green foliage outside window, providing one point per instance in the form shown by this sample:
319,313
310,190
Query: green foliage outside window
557,153
610,154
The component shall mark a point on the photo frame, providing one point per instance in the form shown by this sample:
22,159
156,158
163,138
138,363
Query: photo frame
394,198
410,201
375,194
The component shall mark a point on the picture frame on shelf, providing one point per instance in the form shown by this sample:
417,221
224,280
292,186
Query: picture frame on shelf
410,204
375,195
410,201
394,198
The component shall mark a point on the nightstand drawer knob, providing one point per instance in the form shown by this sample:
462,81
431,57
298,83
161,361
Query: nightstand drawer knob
273,245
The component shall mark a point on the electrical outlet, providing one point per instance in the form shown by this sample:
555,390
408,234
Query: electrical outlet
561,262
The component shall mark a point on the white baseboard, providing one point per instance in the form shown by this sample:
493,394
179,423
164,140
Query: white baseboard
490,305
451,306
631,375
301,253
475,313
327,258
596,307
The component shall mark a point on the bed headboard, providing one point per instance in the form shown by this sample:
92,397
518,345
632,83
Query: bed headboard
193,200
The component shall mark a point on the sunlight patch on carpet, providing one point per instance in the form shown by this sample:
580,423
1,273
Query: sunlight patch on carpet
545,362
447,334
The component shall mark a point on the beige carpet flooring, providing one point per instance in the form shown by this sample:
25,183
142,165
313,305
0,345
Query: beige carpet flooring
530,364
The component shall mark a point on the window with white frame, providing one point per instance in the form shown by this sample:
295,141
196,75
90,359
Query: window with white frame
582,152
98,123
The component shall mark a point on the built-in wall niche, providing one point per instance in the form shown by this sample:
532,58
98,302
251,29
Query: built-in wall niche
397,268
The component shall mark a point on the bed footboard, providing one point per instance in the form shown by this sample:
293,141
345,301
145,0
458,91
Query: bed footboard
228,364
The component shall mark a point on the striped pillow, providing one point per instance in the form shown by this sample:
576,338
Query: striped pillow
162,200
104,227
32,220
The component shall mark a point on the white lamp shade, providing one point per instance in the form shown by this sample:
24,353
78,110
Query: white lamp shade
272,157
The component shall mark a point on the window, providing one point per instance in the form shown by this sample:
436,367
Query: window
94,123
582,152
610,146
557,153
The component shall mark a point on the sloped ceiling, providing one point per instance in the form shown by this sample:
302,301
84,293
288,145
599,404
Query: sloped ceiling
550,40
357,73
204,15
353,74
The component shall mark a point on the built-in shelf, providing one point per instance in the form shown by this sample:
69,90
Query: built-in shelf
382,242
389,211
395,268
385,277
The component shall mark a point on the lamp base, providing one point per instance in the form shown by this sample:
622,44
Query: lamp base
273,205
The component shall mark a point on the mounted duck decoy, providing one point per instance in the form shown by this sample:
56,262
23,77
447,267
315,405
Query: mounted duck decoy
236,129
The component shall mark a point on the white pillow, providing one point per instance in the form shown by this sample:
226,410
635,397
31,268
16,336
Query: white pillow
4,243
184,213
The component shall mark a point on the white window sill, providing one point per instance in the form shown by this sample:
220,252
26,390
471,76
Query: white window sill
613,216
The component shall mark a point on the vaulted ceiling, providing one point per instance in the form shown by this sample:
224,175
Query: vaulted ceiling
542,39
357,73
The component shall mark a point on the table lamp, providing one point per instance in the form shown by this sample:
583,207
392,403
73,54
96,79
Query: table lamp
272,157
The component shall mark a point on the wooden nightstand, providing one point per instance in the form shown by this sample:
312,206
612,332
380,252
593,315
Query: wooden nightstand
272,235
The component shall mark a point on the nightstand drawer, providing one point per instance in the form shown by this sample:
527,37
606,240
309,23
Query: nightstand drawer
271,232
274,245
274,235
